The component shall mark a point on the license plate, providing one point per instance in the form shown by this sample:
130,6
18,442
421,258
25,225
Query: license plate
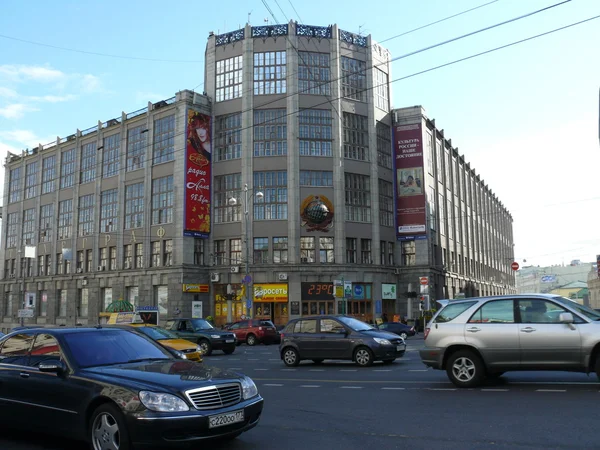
399,348
229,341
221,420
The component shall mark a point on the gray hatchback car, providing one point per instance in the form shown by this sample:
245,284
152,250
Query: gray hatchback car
475,338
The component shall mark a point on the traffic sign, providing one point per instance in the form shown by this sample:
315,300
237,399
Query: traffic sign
22,313
248,303
514,266
424,280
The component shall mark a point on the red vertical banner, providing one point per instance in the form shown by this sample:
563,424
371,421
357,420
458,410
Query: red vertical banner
409,182
198,156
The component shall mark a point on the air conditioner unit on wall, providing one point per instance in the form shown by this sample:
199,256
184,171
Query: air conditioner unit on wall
282,276
101,268
235,269
80,270
214,277
304,260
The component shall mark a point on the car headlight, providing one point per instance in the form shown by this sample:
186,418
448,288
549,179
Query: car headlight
249,389
198,349
179,354
382,341
161,402
215,336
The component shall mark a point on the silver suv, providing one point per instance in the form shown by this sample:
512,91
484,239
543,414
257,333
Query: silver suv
475,338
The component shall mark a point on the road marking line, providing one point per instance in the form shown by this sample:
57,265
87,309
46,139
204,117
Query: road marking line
301,380
382,370
348,370
309,386
440,389
235,368
351,387
288,370
252,359
261,369
274,359
494,390
234,359
417,370
393,389
316,370
550,390
272,384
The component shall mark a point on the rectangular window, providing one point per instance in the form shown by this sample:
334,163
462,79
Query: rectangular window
235,251
442,214
307,249
270,73
12,232
67,169
48,174
365,251
107,296
80,261
261,250
133,293
113,258
139,256
14,186
155,253
83,303
315,132
8,305
432,212
88,163
429,152
46,218
134,205
229,78
43,303
220,252
164,140
28,226
326,250
390,247
227,187
103,261
321,178
168,252
62,303
31,171
274,205
409,253
382,254
162,200
40,265
65,219
136,148
48,259
86,215
111,163
386,203
354,79
228,142
351,250
384,145
358,198
199,252
270,132
356,137
108,210
128,256
314,73
89,260
280,250
381,89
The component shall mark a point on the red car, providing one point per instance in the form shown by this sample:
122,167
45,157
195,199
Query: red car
254,331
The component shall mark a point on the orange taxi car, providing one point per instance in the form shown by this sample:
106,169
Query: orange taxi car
186,349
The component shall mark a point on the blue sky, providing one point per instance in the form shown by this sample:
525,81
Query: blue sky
526,117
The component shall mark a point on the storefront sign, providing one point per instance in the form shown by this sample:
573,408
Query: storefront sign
348,289
388,291
198,156
195,288
196,310
317,291
271,292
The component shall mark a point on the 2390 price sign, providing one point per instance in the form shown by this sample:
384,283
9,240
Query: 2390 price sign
317,291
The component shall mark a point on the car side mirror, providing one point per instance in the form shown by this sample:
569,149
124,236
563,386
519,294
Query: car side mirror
566,317
53,366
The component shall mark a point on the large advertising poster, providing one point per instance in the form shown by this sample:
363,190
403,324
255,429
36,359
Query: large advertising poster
409,183
198,155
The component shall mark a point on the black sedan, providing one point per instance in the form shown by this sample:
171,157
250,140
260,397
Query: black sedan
398,328
116,388
202,332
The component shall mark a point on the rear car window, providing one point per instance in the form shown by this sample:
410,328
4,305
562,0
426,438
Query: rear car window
452,311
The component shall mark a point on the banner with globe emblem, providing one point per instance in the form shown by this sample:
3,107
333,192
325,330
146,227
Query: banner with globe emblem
316,212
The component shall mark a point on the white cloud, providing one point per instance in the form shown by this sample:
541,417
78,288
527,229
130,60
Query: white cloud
24,139
16,110
20,73
89,83
51,98
142,96
8,93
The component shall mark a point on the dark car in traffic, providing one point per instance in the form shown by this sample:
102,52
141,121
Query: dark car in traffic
204,334
115,388
398,328
318,338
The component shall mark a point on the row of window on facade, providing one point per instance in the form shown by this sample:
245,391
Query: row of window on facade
313,75
43,302
315,135
312,250
163,150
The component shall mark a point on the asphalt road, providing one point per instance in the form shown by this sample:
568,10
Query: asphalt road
338,405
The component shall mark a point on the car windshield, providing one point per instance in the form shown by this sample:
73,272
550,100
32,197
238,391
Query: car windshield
201,324
355,324
581,309
157,333
108,347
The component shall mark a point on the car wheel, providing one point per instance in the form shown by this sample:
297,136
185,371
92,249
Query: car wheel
107,429
290,356
251,340
465,369
389,361
403,335
363,356
205,347
318,361
229,351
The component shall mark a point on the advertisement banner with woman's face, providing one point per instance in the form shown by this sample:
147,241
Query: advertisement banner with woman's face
198,157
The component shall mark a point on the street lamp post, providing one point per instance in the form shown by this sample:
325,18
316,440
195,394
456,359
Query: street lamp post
233,202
